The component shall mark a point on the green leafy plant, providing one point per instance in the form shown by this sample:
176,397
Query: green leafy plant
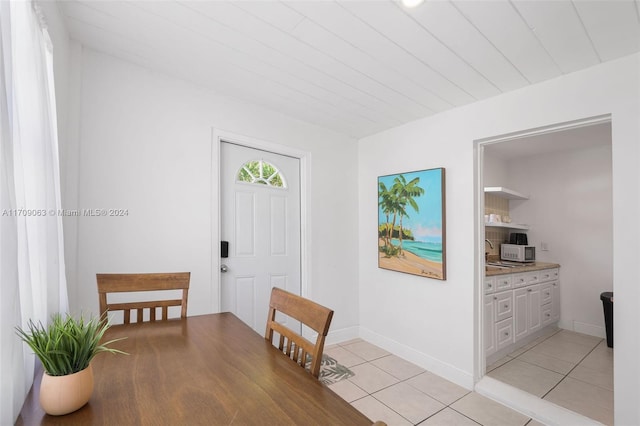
68,344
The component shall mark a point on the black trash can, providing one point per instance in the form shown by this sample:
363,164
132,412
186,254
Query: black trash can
607,305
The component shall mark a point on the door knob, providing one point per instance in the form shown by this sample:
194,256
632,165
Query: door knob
223,268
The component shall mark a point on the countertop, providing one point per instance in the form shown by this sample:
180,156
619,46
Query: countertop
526,267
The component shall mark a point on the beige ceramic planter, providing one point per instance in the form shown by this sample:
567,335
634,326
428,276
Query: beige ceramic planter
65,394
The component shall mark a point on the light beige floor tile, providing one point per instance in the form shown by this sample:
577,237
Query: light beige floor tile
448,417
366,350
347,390
600,359
344,357
397,367
528,377
566,351
594,377
583,398
437,387
498,363
548,362
516,353
370,378
578,338
349,342
376,410
488,412
409,402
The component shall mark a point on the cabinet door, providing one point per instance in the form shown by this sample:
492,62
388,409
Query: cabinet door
504,333
503,303
489,326
535,314
520,307
555,301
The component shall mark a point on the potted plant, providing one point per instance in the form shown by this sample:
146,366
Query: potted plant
66,348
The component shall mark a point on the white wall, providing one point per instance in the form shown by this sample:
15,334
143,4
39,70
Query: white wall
495,172
145,144
569,208
432,322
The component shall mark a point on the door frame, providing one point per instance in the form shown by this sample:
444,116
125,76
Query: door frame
483,384
304,157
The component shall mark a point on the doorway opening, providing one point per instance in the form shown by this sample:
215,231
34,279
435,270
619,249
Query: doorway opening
562,178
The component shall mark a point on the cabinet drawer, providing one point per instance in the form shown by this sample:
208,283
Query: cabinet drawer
503,282
545,293
504,333
503,303
549,275
519,280
547,314
489,285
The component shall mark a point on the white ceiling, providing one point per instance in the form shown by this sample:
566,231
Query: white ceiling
359,67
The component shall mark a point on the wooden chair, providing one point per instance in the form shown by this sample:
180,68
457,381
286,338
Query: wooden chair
118,283
311,314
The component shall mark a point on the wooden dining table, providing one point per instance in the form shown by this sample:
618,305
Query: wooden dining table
200,370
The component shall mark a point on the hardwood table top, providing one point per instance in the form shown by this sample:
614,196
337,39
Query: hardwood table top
201,370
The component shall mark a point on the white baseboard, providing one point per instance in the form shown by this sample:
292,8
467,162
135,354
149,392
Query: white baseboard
543,411
590,329
341,335
433,365
583,327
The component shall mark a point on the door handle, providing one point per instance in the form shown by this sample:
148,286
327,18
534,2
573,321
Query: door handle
223,268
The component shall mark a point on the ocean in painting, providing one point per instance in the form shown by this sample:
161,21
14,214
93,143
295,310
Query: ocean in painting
427,250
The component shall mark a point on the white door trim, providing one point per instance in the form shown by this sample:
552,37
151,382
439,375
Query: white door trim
478,150
219,135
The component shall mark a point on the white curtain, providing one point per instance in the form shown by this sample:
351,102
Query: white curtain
32,276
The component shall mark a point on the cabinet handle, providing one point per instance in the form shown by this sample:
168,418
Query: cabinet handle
548,315
506,334
529,289
489,285
495,297
555,284
506,306
547,293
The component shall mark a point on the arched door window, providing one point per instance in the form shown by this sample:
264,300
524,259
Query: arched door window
262,173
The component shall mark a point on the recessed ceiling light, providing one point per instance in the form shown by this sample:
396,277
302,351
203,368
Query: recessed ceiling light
411,3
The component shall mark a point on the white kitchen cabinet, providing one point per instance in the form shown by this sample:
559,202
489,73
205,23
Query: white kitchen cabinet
489,325
498,321
518,305
503,305
489,285
534,314
504,333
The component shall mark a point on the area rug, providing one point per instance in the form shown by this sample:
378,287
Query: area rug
331,371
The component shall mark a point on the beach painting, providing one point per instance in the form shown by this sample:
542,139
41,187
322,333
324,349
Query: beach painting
411,223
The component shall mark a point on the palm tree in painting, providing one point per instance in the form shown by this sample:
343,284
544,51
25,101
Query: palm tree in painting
405,193
386,201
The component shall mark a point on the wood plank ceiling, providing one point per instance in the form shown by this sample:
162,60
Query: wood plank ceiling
359,67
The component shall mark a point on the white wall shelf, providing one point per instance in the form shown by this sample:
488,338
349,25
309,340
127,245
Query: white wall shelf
503,192
506,225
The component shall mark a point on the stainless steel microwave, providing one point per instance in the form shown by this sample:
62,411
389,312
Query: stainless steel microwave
517,253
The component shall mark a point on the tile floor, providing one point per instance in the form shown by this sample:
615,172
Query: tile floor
570,369
388,388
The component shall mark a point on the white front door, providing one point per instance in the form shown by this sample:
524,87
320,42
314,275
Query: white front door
260,220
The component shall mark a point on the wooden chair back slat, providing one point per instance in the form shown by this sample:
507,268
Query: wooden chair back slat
121,283
309,313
